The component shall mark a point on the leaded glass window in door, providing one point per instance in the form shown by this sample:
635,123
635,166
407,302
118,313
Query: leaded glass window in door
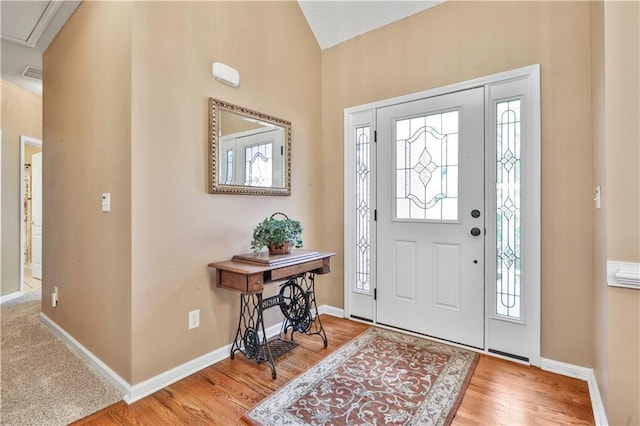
363,210
426,167
508,141
258,169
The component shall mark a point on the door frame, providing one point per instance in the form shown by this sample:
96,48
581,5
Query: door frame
530,209
24,140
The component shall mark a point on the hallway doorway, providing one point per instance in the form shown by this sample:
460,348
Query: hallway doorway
31,214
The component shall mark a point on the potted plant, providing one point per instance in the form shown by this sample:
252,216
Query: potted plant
280,235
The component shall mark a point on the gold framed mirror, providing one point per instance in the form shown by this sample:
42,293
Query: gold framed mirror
249,151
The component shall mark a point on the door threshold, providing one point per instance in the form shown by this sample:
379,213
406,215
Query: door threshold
362,319
508,355
427,336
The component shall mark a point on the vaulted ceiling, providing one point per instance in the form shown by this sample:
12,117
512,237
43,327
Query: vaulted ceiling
29,26
335,21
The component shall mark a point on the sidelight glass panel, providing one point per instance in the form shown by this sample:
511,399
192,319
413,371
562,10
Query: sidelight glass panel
508,141
229,177
426,167
363,211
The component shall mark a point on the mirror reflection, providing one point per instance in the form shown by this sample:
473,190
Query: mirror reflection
250,151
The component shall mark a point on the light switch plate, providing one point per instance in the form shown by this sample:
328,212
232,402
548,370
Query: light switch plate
106,202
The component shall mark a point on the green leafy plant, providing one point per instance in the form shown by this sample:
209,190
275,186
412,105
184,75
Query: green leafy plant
277,234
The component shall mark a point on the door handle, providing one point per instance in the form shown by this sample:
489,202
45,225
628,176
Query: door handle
475,231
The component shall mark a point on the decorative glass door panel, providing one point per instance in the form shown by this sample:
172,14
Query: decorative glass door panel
426,152
258,170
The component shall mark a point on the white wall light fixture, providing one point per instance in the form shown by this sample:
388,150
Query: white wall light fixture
226,74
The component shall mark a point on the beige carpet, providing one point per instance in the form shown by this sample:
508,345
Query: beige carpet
42,380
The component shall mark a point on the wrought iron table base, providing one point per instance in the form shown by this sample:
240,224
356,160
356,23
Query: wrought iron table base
306,320
297,302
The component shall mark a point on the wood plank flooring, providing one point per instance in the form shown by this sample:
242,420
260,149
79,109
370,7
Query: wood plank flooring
500,392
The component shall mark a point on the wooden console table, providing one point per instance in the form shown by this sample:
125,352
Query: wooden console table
248,274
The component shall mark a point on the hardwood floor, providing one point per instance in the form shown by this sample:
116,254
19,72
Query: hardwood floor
505,393
500,392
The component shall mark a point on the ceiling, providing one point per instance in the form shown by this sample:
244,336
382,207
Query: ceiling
28,27
335,21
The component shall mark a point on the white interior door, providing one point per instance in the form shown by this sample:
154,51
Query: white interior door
36,215
430,194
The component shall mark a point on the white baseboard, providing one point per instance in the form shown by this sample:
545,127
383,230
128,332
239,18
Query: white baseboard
97,364
582,373
565,369
599,413
330,310
162,380
10,296
149,386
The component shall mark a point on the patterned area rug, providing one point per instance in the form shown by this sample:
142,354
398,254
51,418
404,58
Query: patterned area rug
380,377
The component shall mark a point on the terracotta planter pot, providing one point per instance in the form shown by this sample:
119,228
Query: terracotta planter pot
284,249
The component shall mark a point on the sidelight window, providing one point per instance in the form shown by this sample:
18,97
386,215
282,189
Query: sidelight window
363,210
508,139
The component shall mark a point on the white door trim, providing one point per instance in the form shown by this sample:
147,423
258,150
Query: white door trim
531,70
531,210
24,140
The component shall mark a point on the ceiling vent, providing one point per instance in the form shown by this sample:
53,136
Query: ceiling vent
32,72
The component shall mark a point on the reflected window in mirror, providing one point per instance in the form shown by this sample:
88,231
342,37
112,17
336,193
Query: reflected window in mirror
258,169
250,152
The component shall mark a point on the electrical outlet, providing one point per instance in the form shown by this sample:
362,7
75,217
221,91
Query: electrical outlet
194,319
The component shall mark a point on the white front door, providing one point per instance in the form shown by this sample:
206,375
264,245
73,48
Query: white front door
430,195
36,215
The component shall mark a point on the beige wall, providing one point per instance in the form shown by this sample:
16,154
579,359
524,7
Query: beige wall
21,115
622,74
128,278
87,151
457,41
622,160
178,228
601,320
